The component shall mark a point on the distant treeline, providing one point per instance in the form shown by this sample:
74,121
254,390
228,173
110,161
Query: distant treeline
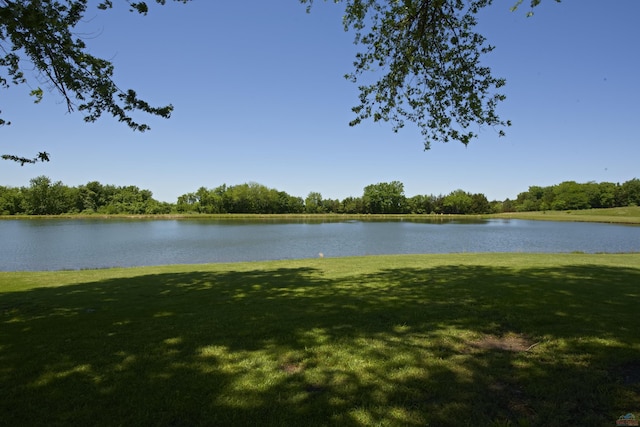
570,195
44,197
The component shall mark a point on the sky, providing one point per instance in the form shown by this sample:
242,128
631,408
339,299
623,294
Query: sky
259,96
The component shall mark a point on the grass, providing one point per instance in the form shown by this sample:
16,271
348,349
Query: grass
457,339
628,215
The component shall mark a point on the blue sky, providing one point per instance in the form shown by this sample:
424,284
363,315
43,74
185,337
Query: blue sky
259,96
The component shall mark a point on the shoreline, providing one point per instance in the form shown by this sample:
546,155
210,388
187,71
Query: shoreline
629,216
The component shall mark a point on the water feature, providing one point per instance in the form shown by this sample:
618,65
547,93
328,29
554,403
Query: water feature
56,244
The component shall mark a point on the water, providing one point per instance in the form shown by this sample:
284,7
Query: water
56,244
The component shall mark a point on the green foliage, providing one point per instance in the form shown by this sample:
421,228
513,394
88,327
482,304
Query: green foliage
462,203
41,157
384,198
44,197
248,198
38,37
570,195
11,201
420,61
630,193
422,204
381,198
533,4
425,59
313,203
457,202
352,205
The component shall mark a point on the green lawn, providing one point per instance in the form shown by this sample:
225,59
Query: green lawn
457,339
628,215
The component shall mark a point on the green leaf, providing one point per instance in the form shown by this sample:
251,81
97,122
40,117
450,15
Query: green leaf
38,94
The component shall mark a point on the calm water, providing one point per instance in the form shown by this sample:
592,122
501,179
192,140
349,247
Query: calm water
74,244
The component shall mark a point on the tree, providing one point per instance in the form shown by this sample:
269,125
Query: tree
457,202
44,197
421,204
507,206
479,204
570,195
209,201
426,53
630,193
42,156
352,205
289,204
428,56
530,200
11,201
384,198
607,195
39,35
187,203
313,203
93,196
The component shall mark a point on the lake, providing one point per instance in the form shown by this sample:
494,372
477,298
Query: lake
57,244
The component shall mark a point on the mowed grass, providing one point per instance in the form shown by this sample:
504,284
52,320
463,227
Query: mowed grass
458,339
627,215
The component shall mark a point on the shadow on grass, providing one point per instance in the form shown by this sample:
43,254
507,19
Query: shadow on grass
449,345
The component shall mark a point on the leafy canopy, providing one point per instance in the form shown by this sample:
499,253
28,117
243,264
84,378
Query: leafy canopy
419,62
426,59
37,36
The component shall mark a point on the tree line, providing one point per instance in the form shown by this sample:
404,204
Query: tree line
380,198
45,197
570,195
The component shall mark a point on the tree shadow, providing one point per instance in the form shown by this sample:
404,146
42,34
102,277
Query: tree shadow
447,345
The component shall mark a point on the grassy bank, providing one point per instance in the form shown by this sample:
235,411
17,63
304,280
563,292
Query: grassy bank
628,215
460,339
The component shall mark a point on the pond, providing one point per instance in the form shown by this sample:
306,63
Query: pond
57,244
